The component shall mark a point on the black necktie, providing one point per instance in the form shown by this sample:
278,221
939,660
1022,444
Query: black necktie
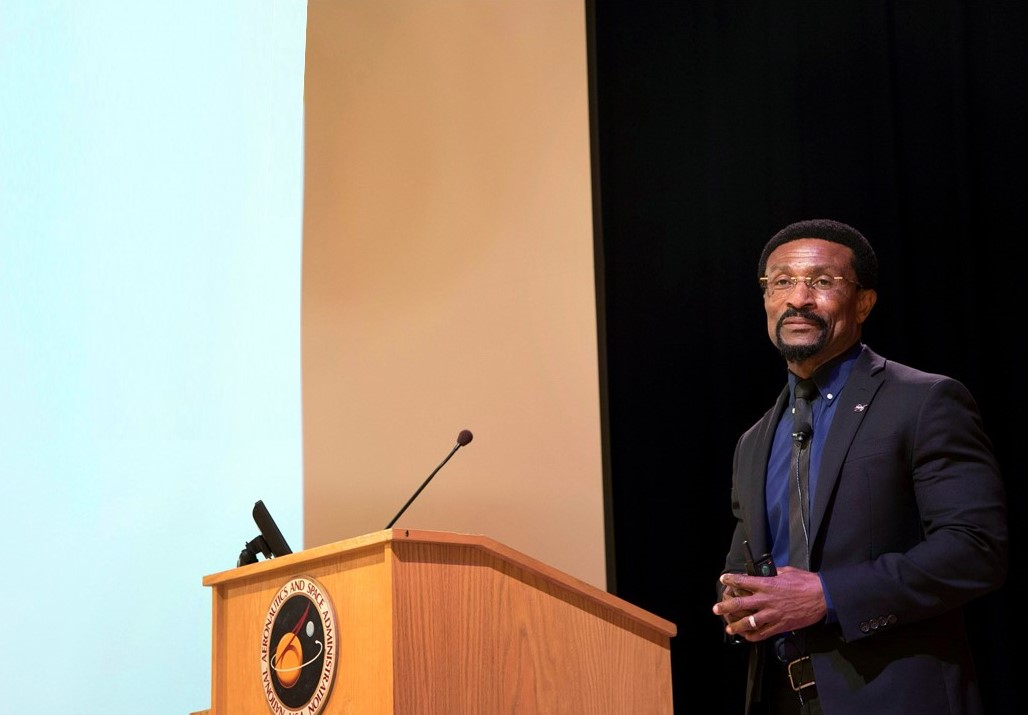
799,500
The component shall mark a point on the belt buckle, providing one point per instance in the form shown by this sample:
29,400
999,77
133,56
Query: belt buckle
792,681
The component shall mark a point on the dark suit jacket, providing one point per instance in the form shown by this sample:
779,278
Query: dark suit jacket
908,524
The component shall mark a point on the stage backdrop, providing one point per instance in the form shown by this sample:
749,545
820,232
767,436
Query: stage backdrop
448,277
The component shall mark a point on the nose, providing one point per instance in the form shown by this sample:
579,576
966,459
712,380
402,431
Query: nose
800,294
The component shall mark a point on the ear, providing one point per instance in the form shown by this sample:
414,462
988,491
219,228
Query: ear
866,299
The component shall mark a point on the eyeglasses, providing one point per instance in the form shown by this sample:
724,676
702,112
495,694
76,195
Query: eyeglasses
783,284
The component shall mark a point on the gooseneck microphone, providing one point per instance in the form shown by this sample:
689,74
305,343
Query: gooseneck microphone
463,439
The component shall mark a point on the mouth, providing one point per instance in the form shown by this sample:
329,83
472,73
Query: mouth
800,323
800,335
796,325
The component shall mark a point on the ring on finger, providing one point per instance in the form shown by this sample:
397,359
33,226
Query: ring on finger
753,622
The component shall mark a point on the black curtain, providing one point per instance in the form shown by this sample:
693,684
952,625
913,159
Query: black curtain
715,124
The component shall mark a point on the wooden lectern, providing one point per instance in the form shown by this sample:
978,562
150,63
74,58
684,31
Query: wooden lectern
436,623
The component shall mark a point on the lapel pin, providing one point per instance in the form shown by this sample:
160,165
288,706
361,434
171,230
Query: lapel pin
859,407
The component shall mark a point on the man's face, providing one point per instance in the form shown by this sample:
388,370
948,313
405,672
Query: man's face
810,326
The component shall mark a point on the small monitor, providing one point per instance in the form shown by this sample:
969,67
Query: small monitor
269,542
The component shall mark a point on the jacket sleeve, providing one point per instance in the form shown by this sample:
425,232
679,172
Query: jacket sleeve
919,523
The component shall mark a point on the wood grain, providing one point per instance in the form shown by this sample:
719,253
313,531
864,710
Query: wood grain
436,622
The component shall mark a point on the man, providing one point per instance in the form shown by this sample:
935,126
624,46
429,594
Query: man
907,512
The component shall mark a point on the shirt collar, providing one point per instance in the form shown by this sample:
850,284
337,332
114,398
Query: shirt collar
831,377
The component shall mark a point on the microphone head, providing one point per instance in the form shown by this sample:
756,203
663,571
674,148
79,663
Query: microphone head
464,437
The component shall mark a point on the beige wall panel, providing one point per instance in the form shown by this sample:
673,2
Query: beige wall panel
448,275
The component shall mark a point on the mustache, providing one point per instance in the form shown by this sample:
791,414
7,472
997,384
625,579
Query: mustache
805,314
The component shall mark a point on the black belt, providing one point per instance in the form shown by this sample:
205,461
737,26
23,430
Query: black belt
790,686
800,673
790,651
789,676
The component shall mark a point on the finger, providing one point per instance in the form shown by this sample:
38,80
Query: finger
735,592
742,582
732,608
746,626
750,628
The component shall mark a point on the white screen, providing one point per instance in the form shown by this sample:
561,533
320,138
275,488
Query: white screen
150,246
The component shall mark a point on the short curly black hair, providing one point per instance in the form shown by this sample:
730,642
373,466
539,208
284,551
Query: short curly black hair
865,262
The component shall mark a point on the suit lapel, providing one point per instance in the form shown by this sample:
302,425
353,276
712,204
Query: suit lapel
863,383
753,476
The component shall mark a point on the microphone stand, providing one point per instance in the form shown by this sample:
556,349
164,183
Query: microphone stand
425,483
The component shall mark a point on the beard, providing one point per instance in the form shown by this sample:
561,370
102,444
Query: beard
797,353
